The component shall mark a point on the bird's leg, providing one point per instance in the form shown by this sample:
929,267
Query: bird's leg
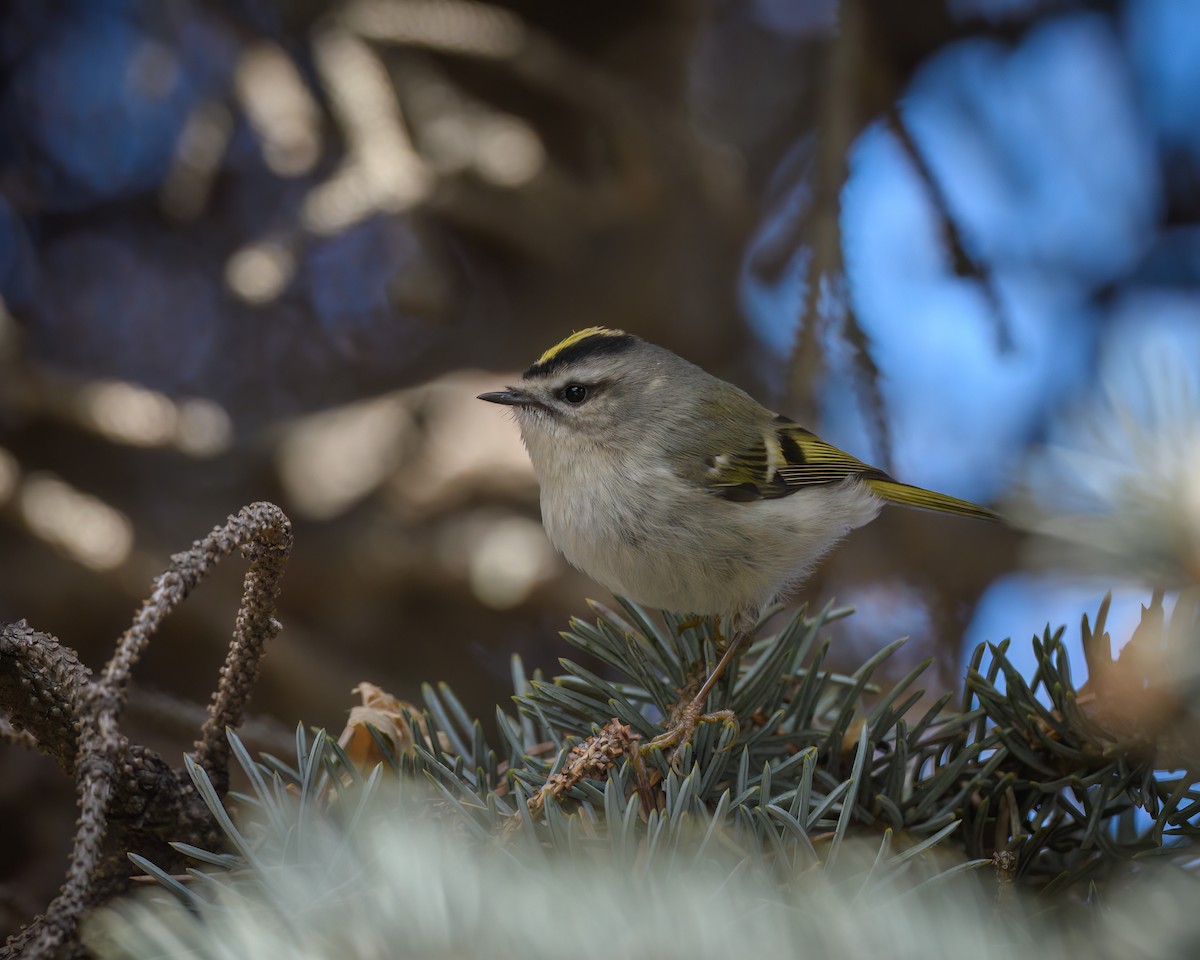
692,715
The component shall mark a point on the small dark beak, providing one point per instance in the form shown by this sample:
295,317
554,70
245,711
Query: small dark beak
512,397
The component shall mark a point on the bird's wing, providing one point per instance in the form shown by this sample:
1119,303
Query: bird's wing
786,458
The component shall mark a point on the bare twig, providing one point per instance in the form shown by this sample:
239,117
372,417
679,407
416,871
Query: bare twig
840,122
1005,862
964,264
265,535
22,738
50,696
592,758
41,684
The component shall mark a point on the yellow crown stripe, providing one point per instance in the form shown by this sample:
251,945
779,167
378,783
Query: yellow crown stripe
574,338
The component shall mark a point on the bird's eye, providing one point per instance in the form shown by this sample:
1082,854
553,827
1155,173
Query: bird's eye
574,393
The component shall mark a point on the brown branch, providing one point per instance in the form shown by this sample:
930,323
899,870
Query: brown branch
264,533
840,119
963,263
22,738
592,758
41,683
129,798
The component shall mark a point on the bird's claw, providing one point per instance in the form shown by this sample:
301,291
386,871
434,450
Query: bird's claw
680,735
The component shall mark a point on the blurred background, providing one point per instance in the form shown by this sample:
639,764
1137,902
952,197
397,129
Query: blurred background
272,249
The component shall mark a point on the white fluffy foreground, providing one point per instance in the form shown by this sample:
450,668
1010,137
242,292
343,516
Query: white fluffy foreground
420,892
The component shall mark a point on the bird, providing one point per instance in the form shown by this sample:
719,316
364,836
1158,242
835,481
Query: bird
680,491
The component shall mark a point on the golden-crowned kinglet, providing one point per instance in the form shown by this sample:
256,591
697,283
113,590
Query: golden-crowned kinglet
677,489
680,491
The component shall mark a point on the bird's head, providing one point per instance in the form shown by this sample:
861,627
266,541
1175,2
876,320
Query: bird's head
596,388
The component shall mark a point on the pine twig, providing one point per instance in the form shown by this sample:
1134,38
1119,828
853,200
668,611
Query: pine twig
51,696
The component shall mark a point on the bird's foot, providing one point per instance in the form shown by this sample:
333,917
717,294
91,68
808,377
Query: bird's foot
681,732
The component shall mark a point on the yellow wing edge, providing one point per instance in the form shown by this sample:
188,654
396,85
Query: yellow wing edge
893,491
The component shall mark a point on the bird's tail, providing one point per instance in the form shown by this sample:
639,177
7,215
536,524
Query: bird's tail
895,492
